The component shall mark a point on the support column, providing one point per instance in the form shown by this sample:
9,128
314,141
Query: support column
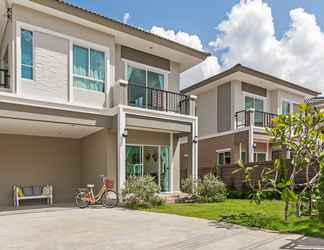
194,155
171,163
250,115
121,149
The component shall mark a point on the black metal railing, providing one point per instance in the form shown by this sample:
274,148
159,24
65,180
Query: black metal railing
261,119
4,78
157,99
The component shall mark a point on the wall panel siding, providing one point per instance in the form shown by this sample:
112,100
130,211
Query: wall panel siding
207,112
145,58
51,64
31,160
224,107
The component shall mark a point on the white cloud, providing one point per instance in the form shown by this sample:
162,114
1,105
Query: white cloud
187,39
199,72
247,36
126,17
202,71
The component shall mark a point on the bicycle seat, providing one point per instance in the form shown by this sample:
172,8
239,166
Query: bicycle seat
90,185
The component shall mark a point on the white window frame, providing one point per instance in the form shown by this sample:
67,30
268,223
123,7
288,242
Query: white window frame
72,40
87,77
255,155
291,103
223,151
147,68
19,62
263,98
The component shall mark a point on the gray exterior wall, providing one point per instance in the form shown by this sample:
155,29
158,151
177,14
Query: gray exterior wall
224,117
31,160
99,157
207,110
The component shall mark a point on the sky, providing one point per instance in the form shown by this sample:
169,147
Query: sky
281,37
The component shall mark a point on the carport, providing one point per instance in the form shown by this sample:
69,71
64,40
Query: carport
66,149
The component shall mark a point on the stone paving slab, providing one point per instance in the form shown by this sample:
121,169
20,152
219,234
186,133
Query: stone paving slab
100,228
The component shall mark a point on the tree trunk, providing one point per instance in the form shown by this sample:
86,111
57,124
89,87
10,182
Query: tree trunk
298,207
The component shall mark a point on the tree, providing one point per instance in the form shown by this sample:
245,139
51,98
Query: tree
302,134
321,196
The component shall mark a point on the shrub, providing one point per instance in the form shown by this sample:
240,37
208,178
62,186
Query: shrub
141,191
321,197
210,189
186,185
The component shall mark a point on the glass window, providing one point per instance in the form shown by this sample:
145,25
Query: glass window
26,54
258,105
243,156
285,108
89,68
140,79
260,157
224,158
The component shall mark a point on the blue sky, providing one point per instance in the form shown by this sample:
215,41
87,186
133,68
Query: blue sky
196,17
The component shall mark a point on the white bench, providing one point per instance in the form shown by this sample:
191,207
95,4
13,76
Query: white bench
49,196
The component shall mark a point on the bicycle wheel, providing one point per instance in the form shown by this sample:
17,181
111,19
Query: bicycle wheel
109,199
81,200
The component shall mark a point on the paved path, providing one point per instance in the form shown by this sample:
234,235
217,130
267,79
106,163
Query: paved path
71,228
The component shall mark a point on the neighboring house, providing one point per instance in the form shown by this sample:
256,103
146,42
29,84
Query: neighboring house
234,108
317,101
83,95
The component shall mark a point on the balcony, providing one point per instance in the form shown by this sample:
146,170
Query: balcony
154,99
4,79
246,118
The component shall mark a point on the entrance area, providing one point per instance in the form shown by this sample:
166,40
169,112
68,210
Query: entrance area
149,160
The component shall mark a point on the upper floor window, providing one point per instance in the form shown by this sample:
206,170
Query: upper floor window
285,108
143,78
288,107
26,54
89,68
258,105
224,158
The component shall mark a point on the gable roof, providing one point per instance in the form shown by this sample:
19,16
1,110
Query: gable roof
95,17
253,72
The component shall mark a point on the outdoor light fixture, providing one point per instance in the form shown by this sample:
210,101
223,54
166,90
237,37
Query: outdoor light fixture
254,146
195,140
125,134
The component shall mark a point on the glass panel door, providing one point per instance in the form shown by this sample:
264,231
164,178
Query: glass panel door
137,87
151,162
165,169
134,160
155,82
259,113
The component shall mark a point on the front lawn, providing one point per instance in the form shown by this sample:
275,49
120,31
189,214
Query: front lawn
268,215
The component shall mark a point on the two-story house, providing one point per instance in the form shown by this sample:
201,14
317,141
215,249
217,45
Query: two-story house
234,108
83,95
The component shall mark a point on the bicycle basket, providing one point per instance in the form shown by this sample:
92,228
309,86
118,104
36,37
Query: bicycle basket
108,183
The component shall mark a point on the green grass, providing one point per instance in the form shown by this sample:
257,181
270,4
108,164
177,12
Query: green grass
268,215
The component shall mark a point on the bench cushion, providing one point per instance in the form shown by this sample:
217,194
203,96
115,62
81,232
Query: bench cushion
28,191
37,190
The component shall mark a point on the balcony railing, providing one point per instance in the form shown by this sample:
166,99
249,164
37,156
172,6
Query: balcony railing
245,118
157,99
4,78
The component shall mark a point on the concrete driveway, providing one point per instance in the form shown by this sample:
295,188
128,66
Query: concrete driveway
99,228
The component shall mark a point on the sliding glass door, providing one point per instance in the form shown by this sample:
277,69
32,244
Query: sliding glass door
149,160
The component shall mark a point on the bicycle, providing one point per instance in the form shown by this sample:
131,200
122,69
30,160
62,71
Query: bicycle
109,198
